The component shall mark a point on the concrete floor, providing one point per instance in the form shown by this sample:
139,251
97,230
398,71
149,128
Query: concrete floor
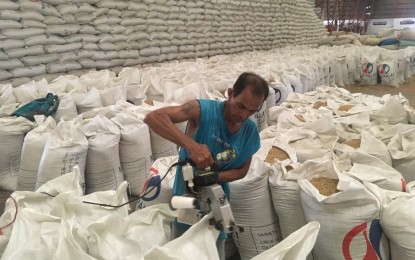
408,90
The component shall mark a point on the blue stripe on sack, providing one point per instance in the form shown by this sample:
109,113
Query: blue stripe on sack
153,182
375,236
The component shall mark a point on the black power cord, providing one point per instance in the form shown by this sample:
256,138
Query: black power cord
179,163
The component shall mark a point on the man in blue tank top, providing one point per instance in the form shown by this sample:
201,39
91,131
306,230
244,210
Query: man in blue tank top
218,133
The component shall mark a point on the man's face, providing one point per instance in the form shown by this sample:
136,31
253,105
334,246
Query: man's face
244,105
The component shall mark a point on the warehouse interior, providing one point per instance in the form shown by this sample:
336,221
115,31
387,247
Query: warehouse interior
217,129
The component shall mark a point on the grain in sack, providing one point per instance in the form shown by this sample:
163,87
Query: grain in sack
347,213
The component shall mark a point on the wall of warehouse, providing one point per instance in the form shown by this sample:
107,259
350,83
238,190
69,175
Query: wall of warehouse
376,25
384,9
398,14
49,37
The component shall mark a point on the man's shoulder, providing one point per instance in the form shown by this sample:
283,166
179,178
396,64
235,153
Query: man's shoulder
250,125
209,104
209,101
250,130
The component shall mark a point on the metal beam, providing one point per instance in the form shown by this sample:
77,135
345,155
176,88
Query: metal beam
356,18
343,7
319,7
331,6
368,13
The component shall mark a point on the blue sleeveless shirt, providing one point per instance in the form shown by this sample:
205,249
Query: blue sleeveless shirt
228,150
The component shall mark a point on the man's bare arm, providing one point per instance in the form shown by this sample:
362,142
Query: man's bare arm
235,174
162,122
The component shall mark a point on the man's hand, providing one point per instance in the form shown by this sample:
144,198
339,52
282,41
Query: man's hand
205,178
200,155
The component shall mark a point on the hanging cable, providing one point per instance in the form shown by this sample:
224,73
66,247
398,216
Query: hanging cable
179,163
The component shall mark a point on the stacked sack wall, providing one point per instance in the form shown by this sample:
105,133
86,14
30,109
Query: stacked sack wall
54,36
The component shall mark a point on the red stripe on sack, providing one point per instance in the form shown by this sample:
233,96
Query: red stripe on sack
153,171
370,252
403,185
348,240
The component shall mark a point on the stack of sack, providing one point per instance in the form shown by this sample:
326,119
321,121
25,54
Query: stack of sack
406,38
56,37
391,39
339,38
94,115
321,145
388,39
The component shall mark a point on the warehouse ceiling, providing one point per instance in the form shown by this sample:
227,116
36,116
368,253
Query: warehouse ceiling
356,9
353,8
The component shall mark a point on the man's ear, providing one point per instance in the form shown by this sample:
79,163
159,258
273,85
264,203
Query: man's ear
230,93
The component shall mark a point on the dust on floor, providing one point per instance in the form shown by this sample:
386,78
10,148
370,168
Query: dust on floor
407,89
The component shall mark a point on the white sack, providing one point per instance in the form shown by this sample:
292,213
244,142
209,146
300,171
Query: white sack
368,69
397,220
160,192
110,96
32,150
102,169
28,91
345,217
75,211
160,146
297,246
66,109
68,247
65,148
350,127
29,71
402,150
6,95
261,117
12,132
86,101
388,72
281,92
8,110
285,192
197,242
36,202
134,234
393,111
39,240
255,215
364,167
368,145
135,151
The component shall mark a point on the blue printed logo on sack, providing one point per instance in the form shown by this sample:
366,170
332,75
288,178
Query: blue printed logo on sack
369,233
152,183
383,69
367,68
